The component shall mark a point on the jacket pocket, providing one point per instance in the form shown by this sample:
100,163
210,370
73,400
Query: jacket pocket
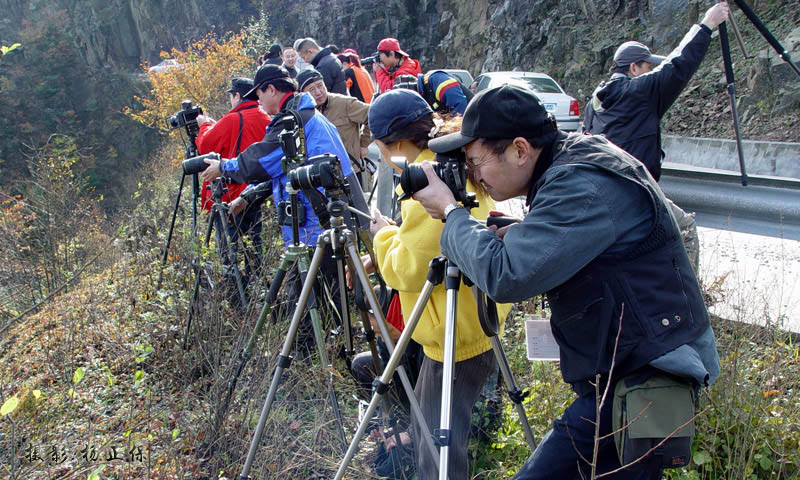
582,325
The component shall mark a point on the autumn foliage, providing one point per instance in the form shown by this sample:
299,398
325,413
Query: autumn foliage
201,73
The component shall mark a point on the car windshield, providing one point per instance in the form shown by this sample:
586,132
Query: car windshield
535,84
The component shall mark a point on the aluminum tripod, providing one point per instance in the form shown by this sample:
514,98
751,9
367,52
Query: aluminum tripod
440,270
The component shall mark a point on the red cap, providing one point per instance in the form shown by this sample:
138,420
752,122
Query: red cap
391,45
349,51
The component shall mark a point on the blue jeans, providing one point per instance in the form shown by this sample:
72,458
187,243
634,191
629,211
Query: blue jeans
556,456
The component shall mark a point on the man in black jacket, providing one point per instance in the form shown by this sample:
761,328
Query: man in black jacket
325,61
627,108
598,239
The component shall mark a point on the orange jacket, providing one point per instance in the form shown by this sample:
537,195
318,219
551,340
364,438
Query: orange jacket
359,84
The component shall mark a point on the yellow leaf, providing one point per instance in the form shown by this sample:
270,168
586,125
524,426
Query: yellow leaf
37,394
9,406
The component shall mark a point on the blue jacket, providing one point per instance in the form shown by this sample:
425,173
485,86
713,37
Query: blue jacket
597,237
262,161
442,91
628,110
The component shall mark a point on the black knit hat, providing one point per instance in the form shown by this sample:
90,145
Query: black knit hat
307,77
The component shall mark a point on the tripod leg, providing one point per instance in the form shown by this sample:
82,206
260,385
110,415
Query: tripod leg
776,45
348,334
319,334
222,227
195,196
435,277
272,294
169,235
284,361
196,289
726,56
363,312
442,435
381,384
514,393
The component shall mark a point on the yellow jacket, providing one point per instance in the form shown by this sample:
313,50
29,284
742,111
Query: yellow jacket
403,254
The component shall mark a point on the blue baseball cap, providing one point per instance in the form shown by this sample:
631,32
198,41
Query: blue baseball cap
395,109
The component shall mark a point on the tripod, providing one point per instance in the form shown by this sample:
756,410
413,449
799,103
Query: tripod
190,151
440,270
217,218
341,239
729,75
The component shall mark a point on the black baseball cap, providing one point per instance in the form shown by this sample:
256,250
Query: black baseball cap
242,86
267,74
502,112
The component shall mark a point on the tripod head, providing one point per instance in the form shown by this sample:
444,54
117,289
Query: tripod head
292,139
218,189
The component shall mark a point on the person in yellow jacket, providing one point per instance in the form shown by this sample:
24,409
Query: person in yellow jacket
402,123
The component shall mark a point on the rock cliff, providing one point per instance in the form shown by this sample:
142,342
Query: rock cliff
572,41
126,32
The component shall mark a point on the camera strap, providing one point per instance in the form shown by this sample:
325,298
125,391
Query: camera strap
320,206
241,127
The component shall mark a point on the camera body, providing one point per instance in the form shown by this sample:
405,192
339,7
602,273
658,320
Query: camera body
285,213
323,171
369,61
186,117
450,167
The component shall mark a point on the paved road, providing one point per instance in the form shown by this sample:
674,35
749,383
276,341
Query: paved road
755,277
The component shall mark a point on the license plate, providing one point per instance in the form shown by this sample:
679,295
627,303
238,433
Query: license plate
550,107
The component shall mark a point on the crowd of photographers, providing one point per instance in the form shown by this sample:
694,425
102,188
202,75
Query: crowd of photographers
599,239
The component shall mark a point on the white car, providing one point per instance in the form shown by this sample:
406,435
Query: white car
463,77
561,105
164,65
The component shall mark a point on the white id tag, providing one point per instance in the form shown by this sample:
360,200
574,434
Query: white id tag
541,344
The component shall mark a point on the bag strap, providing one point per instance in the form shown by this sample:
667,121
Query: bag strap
241,127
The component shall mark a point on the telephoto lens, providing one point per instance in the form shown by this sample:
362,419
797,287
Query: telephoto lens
197,164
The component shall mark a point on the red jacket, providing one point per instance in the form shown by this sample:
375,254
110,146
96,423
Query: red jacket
385,78
221,138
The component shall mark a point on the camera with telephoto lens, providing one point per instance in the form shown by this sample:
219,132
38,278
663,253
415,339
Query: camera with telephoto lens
198,164
186,117
324,172
450,167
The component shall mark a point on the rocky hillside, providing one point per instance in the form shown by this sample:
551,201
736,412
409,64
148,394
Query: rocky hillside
124,33
573,42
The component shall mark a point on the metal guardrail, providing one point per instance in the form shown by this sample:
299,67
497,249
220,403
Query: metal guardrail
767,206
